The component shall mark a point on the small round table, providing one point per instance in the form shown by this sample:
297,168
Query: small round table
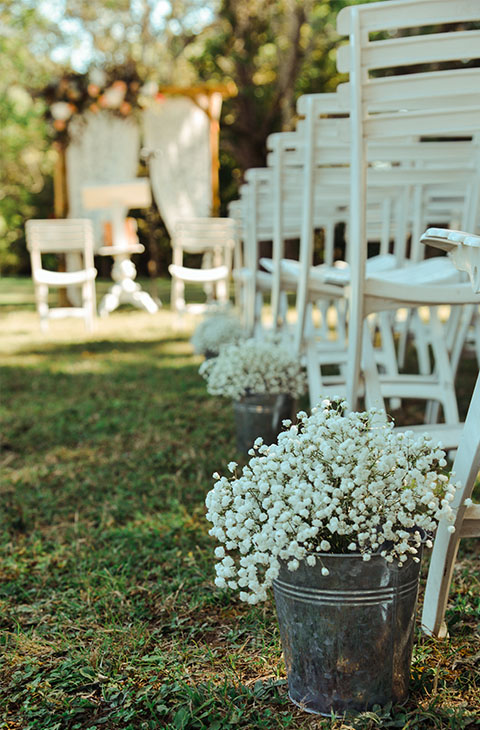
118,198
125,289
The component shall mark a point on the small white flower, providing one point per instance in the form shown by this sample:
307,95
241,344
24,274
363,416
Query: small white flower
336,482
215,331
254,367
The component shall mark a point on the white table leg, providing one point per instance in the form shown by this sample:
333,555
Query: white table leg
125,289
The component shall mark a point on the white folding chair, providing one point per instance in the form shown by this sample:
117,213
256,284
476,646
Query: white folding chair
465,251
429,103
62,237
213,239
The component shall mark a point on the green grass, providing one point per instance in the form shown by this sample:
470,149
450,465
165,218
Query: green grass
109,618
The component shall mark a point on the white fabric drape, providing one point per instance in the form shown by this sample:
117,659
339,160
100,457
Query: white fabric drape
177,136
103,149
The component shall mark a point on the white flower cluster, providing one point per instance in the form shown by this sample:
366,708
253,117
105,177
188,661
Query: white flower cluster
336,482
254,366
216,330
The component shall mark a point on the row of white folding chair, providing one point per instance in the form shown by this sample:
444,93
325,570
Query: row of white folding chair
417,153
459,292
388,124
258,197
435,101
290,276
264,281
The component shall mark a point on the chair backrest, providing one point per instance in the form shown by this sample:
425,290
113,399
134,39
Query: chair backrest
398,86
74,238
198,235
61,236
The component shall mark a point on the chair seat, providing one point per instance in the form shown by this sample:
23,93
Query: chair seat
439,270
64,278
337,274
198,275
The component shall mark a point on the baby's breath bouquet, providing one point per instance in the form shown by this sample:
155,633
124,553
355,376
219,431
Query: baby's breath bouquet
254,367
216,330
336,482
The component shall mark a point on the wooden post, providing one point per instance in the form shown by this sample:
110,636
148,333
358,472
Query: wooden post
60,198
60,207
215,162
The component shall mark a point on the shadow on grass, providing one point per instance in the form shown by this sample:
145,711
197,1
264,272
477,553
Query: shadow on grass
144,348
103,445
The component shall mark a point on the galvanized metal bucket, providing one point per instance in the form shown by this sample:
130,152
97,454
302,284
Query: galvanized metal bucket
347,637
261,415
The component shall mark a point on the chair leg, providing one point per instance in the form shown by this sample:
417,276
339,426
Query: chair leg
465,468
461,335
438,584
443,369
403,329
421,339
388,349
373,390
316,390
41,291
221,291
177,295
88,302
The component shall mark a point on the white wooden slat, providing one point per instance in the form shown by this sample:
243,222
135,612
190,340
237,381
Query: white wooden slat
64,278
412,50
400,14
459,120
429,88
440,154
321,104
198,275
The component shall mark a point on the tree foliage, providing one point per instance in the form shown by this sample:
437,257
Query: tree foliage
274,50
25,161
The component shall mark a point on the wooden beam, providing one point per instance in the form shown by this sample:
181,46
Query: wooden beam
226,90
60,197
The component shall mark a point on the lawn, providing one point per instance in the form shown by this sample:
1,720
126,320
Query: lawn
109,617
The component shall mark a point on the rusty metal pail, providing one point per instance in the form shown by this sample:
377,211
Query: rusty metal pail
347,637
261,415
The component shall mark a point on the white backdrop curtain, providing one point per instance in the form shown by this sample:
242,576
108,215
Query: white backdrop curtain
177,139
103,149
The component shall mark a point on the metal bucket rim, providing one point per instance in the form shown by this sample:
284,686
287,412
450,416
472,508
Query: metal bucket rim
263,396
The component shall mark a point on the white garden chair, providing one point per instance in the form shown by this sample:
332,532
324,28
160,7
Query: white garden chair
432,103
213,239
62,237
